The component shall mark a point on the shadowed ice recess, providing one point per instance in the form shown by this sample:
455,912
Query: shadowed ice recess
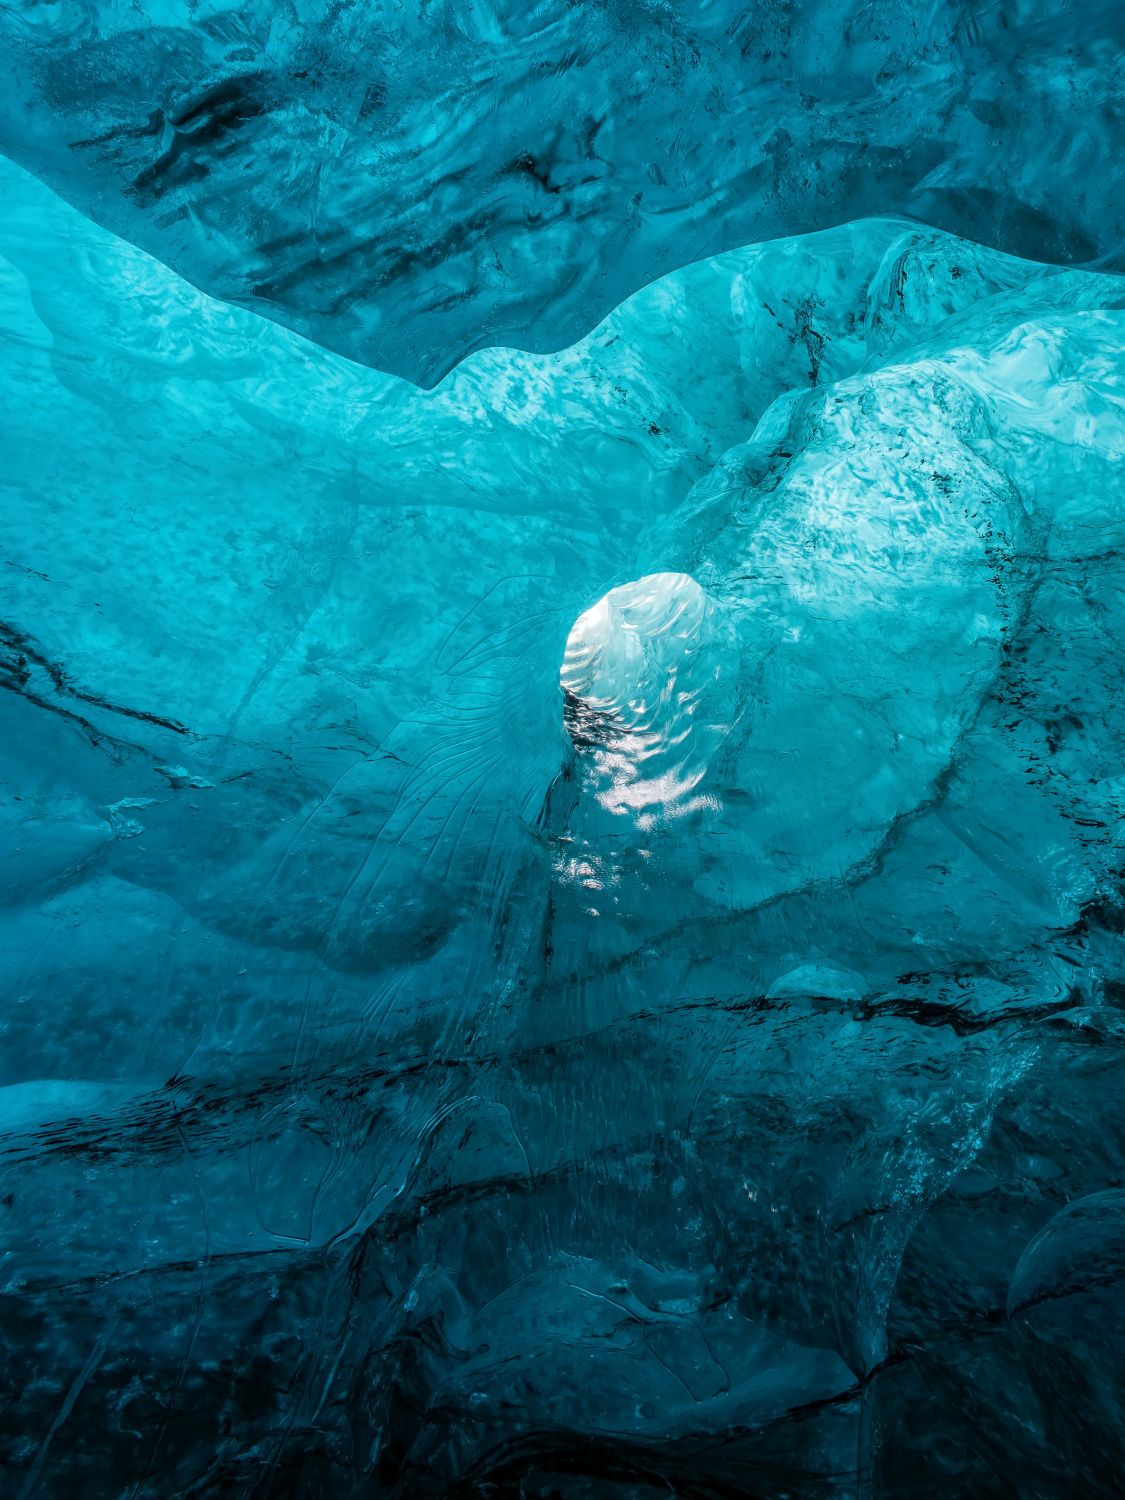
562,934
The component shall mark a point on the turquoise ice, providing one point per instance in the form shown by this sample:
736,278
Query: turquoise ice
559,920
406,181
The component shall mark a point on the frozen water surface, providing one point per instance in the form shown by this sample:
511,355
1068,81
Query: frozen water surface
562,934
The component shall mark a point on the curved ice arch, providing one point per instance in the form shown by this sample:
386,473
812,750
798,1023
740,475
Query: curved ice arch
407,183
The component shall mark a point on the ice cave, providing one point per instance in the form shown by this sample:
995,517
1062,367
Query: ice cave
562,760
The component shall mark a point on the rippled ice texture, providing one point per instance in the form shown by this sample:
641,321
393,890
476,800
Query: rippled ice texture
408,180
562,934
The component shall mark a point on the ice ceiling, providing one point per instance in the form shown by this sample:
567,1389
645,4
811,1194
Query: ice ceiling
562,935
406,181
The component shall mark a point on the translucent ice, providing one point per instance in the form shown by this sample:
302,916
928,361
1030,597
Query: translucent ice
408,180
562,934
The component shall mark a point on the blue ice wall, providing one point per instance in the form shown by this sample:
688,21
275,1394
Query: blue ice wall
562,935
405,181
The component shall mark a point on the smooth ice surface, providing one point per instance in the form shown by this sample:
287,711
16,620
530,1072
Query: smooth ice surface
408,180
562,934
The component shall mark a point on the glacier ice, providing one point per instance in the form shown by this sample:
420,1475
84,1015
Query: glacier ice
408,180
1064,1307
563,934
